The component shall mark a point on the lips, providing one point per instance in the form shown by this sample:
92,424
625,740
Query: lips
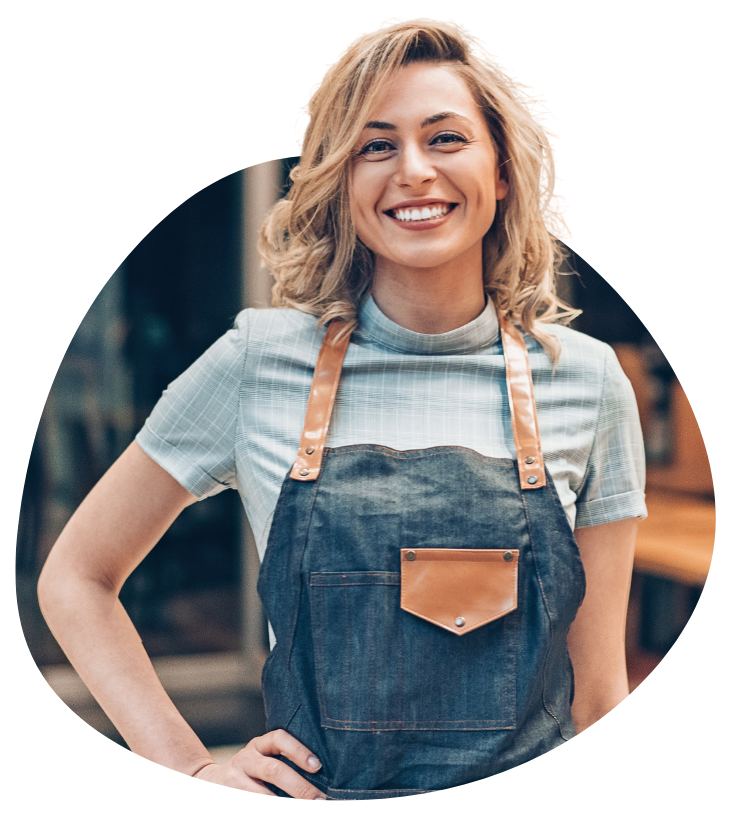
421,212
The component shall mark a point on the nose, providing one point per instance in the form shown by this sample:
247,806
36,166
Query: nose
414,166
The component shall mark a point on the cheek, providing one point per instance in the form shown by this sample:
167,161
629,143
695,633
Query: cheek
352,191
360,197
358,217
364,194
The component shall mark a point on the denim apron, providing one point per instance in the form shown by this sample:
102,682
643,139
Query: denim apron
420,602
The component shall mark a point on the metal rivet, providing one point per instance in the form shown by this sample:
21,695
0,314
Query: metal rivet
410,556
529,460
309,450
304,472
459,621
508,556
532,480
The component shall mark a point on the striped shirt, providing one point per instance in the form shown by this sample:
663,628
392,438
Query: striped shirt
235,417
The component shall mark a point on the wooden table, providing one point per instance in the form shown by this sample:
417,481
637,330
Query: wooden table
675,541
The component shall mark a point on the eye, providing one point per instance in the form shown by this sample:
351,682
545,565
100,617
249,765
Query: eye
376,149
449,138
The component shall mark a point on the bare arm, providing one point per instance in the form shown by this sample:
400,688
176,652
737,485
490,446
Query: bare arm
597,637
112,531
120,521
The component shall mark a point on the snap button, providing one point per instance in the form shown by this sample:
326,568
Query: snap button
309,450
410,556
508,556
531,480
459,621
529,460
304,472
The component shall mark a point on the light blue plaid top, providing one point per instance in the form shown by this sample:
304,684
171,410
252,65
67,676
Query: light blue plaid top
235,417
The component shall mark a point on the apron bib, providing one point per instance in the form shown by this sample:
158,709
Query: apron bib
420,602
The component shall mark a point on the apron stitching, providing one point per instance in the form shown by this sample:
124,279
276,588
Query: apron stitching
281,502
533,554
339,724
549,614
550,643
319,654
346,659
425,454
582,580
357,584
303,540
507,630
402,669
292,716
372,657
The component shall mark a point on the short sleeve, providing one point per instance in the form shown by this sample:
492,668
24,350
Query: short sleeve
613,487
191,431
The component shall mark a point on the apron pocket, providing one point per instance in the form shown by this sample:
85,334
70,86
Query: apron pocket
380,668
458,590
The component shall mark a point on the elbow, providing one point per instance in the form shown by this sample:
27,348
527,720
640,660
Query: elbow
57,587
50,591
72,605
63,590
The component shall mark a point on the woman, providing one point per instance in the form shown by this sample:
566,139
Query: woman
421,577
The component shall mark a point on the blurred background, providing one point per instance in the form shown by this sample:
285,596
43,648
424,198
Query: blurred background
193,599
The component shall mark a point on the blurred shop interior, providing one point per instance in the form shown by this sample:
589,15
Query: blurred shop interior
193,599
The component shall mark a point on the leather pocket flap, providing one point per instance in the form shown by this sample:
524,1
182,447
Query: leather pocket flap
458,589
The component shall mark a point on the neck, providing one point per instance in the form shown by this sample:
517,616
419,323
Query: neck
429,300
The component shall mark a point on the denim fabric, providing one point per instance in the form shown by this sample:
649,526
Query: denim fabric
390,703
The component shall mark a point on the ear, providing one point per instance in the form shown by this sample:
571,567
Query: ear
501,181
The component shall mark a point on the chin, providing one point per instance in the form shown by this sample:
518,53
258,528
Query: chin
423,258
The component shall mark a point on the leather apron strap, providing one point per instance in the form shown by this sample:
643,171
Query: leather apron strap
320,403
531,471
520,398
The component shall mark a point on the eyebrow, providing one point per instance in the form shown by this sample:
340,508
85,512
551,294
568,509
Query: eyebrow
434,118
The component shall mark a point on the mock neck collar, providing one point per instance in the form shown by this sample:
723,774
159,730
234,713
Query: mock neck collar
481,333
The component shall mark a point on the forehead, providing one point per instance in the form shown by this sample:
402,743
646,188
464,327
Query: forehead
421,90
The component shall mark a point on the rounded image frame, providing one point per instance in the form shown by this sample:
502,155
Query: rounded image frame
123,208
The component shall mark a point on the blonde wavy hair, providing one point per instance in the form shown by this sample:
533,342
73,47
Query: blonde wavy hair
308,241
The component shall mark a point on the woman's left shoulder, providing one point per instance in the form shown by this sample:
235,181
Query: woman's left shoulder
581,356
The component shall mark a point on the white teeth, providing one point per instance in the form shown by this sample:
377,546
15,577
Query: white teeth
425,213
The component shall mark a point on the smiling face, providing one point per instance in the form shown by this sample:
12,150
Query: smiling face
425,180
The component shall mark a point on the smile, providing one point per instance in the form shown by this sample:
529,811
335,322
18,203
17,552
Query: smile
422,213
